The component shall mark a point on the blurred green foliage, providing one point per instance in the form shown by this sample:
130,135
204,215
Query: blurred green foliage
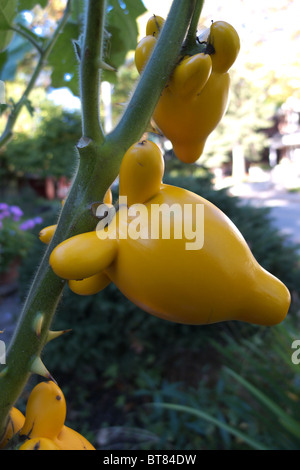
121,36
250,402
115,350
49,151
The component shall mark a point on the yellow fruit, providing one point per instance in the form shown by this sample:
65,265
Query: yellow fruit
189,122
45,411
16,420
75,265
191,265
141,172
108,197
68,439
39,443
143,52
47,233
154,25
90,285
191,75
226,43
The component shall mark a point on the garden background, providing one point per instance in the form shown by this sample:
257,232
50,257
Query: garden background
133,381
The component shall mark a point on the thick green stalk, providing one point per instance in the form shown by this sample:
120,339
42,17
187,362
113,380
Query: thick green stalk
99,162
90,71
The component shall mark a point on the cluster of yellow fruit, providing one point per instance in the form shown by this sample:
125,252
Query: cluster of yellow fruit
209,282
197,94
219,281
43,426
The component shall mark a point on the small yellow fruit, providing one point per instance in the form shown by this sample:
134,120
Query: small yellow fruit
16,420
154,25
45,411
90,285
47,233
39,443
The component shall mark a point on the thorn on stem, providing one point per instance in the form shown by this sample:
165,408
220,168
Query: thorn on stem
37,324
38,367
55,334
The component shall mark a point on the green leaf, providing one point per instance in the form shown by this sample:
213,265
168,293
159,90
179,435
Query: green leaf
63,59
220,423
29,107
8,10
77,13
30,4
10,58
122,28
3,107
287,421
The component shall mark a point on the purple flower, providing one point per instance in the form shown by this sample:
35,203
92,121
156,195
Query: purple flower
16,212
3,206
28,224
38,220
4,214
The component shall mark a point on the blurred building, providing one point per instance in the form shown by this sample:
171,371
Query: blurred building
285,141
284,149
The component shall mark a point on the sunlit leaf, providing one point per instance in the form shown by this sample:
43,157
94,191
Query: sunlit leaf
122,27
63,59
30,4
10,58
8,10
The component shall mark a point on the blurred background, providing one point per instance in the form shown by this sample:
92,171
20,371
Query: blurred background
132,381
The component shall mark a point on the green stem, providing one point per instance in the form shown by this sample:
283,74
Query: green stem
192,32
46,289
27,36
91,54
98,167
8,131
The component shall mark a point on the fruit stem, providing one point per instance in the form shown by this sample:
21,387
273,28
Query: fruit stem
192,32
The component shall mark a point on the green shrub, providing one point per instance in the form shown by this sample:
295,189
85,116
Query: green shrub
50,151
